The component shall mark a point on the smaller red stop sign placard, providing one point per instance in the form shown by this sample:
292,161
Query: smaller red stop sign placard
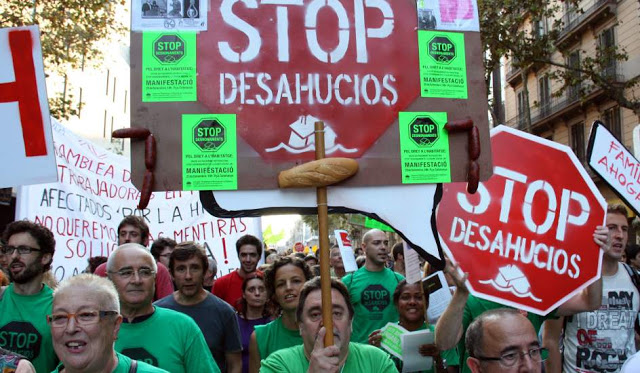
526,236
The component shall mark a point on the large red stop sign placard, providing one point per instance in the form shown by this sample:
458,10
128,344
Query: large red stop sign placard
282,65
526,236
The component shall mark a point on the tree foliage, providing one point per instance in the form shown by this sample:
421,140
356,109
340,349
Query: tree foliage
336,221
527,32
70,31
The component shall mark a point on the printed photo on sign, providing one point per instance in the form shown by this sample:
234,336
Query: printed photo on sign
448,15
173,15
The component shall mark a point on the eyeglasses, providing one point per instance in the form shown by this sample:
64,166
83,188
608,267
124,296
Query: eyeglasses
127,273
83,318
510,359
22,249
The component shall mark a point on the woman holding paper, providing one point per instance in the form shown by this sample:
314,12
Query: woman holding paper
410,302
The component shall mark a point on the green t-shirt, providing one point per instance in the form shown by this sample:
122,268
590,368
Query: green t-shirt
274,336
451,355
371,295
361,359
475,307
169,340
124,364
24,328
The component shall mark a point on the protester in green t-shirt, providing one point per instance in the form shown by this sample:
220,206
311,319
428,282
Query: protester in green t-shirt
85,321
161,337
411,303
25,303
371,287
313,356
284,280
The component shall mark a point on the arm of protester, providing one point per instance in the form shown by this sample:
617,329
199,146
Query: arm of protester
551,334
254,354
433,351
234,361
164,285
25,366
589,299
449,327
375,338
324,359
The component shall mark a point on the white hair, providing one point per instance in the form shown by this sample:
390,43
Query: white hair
104,288
128,247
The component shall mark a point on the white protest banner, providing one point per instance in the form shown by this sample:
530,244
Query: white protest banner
93,194
26,145
614,164
346,250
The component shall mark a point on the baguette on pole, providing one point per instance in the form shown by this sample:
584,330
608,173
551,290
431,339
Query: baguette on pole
318,173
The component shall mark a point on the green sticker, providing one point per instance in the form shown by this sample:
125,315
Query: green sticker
209,155
443,70
169,67
391,339
424,148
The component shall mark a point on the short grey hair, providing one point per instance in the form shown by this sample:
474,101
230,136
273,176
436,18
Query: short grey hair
105,289
473,340
128,247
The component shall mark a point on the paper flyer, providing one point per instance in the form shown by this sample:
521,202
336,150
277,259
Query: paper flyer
449,15
391,339
439,295
169,15
412,360
346,250
424,147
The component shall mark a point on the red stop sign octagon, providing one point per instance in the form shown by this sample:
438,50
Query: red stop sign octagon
282,65
526,236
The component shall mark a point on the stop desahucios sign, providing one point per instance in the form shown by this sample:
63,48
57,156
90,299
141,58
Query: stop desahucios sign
526,236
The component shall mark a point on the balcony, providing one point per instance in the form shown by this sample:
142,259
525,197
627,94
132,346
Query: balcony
574,98
575,23
513,76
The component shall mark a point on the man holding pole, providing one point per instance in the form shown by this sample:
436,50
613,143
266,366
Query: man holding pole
371,287
314,355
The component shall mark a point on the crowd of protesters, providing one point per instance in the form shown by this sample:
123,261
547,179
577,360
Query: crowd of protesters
163,309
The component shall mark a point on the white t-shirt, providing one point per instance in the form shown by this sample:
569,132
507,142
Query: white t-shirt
601,341
632,365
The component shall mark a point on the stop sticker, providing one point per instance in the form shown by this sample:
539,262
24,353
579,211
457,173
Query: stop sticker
526,236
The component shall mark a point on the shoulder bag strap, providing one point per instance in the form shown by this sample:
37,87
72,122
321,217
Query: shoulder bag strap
134,366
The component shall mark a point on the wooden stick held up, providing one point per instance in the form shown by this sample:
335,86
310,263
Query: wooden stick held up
323,235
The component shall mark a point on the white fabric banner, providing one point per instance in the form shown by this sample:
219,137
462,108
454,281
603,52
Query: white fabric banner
93,194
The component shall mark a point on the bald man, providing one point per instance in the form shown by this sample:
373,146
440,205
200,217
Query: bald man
371,287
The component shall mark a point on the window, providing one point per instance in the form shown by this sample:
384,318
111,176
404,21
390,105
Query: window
544,95
107,89
606,44
577,140
575,85
611,120
540,28
521,103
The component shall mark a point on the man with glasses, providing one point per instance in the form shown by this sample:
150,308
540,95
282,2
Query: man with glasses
133,229
161,250
85,321
503,340
161,337
25,303
313,356
216,319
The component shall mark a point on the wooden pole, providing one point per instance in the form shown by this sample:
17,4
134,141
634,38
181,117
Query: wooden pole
323,238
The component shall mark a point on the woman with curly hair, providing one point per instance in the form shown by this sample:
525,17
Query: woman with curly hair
284,280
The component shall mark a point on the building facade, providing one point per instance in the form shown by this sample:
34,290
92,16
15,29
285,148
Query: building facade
568,118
